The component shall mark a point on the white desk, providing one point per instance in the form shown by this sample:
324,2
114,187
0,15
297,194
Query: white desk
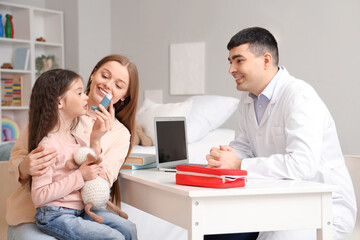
262,205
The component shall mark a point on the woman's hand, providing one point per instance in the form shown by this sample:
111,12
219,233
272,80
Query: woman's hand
102,172
37,162
103,123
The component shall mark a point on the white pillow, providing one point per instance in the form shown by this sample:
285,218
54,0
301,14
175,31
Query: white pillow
208,112
149,110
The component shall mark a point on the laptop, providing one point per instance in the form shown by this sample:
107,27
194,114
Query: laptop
170,142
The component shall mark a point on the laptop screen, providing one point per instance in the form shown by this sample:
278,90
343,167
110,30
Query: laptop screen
171,140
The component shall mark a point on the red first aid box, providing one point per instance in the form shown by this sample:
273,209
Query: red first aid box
210,177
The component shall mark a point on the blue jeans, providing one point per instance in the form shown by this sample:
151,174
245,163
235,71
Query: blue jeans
65,223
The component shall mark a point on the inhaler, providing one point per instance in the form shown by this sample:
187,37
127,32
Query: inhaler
105,102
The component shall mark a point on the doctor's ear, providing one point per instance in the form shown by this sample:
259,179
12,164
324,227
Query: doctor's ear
267,60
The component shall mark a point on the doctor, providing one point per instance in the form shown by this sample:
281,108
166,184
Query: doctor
284,130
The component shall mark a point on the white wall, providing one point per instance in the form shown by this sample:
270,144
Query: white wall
87,32
33,3
318,42
94,34
70,10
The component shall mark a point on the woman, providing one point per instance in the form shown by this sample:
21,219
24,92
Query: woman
111,136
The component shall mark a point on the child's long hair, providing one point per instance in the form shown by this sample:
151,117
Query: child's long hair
125,112
43,113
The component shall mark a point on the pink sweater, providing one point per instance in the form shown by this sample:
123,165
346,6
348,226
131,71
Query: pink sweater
115,145
59,186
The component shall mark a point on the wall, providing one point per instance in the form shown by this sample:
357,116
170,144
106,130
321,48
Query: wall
70,10
33,3
87,32
94,34
317,40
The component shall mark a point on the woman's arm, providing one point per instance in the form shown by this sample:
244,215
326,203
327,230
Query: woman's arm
44,189
115,146
103,123
111,141
23,165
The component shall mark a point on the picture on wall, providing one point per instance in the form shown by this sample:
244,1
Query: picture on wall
187,68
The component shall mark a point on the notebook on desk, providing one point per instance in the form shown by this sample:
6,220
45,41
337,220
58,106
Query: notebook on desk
170,143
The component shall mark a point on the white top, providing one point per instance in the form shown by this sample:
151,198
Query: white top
296,139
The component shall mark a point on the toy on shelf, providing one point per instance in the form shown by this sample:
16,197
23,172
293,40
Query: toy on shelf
9,27
40,39
1,27
7,66
9,128
44,63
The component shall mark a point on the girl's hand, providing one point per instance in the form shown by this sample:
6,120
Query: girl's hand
37,162
89,170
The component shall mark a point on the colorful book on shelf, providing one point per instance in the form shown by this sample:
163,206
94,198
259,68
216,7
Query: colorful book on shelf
21,58
140,158
138,167
17,93
11,91
6,91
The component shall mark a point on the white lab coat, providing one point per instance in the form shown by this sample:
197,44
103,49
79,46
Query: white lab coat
296,139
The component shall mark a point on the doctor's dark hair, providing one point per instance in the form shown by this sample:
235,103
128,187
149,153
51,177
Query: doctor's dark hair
260,41
44,99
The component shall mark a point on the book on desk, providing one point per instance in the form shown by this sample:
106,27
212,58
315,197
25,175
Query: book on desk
140,161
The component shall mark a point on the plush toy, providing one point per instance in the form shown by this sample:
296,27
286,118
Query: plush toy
140,138
96,192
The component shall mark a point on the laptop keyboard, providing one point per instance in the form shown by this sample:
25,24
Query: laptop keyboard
173,169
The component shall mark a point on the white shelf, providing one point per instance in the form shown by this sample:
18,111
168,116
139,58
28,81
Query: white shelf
15,71
14,108
48,44
29,23
13,40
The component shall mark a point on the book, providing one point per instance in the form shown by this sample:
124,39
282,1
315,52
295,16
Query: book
6,91
21,58
138,167
140,158
17,93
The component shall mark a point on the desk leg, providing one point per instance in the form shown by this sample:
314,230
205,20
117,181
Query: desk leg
325,233
195,231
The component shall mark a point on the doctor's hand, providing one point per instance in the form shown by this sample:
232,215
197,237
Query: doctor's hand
223,157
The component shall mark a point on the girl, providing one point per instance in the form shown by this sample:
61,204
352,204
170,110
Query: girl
115,74
56,102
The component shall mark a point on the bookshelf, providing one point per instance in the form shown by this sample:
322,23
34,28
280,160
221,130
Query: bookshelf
30,24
